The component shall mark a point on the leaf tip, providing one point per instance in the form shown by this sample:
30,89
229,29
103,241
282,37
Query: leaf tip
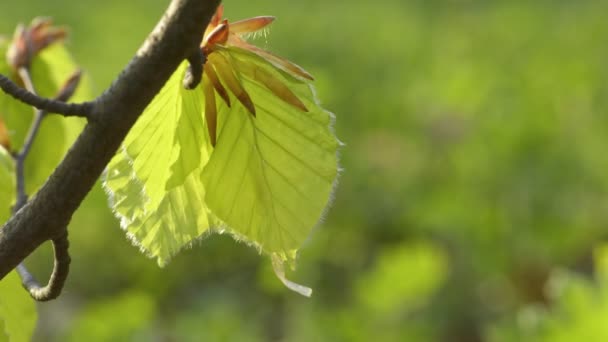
279,270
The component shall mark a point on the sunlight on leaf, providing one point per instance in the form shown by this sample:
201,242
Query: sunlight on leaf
270,177
150,182
258,161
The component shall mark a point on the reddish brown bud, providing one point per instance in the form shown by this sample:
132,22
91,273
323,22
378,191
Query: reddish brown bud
17,53
28,42
69,87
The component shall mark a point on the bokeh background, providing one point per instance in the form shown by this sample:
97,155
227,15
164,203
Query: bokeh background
473,205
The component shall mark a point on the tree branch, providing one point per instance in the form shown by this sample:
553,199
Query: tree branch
47,105
176,37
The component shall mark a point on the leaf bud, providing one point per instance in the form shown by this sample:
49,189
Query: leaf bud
69,87
29,41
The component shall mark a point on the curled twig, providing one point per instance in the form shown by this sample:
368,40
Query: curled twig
56,282
47,105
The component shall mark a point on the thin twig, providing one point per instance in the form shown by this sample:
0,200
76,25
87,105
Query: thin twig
48,105
61,265
27,145
31,134
46,215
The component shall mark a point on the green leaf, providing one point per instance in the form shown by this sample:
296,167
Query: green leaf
7,184
267,182
17,310
50,69
271,177
151,183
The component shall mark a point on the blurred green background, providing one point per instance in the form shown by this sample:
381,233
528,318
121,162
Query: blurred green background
473,204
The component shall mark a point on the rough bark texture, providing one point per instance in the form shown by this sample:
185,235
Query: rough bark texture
175,38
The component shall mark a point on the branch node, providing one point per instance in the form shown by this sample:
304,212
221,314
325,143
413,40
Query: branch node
194,73
47,105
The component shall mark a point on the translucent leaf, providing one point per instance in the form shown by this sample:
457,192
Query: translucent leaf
17,310
152,187
267,182
271,177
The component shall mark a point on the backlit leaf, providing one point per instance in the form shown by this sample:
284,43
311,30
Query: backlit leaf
250,151
152,187
270,177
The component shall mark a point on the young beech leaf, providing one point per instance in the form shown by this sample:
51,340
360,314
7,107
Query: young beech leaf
271,177
210,109
225,70
250,151
150,182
